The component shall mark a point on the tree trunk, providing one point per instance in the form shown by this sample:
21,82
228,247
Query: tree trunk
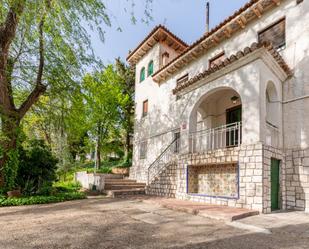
98,146
10,130
127,146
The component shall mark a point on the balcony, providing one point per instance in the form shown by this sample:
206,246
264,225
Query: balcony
224,136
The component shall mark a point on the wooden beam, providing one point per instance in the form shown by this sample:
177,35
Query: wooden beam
215,39
227,33
277,2
241,23
257,12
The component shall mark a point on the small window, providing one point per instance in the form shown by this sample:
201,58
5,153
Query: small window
143,150
145,108
150,68
165,58
217,60
274,34
183,79
142,75
177,142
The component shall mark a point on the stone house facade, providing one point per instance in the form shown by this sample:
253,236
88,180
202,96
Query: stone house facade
225,120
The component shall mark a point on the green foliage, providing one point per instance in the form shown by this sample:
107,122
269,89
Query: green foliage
11,169
31,200
37,169
67,186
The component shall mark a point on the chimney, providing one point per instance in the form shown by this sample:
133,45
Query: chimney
207,17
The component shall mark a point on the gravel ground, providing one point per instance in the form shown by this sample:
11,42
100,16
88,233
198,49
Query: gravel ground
130,223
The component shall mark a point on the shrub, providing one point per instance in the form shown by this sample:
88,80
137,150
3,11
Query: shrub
31,200
67,187
37,169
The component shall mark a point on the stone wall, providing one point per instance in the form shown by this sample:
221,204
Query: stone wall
297,179
250,161
254,162
165,183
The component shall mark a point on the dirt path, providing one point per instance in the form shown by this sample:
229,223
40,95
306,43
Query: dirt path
129,223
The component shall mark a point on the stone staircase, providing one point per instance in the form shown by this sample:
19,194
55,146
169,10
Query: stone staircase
123,187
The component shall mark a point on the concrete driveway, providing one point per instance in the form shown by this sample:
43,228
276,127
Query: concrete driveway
131,223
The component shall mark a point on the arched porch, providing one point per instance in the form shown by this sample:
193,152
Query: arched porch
216,121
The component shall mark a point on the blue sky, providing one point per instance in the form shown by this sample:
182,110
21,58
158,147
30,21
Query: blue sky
185,18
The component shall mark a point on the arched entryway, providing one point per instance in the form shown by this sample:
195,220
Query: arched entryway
272,115
215,121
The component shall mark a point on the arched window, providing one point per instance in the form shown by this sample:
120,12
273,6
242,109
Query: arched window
150,68
142,75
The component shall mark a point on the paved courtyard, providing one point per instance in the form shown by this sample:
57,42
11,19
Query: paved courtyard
131,223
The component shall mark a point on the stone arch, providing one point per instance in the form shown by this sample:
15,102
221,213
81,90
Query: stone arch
199,110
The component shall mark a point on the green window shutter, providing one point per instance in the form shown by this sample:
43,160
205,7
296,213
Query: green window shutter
142,75
150,68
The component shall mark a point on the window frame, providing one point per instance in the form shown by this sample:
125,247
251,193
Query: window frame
214,58
143,149
152,68
283,46
142,75
145,113
183,78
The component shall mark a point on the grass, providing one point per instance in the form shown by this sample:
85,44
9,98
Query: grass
31,200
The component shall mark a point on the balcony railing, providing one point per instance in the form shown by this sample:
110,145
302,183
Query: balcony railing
216,138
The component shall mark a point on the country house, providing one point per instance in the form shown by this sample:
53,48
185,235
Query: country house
225,120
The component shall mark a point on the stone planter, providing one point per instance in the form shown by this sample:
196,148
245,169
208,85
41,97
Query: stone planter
120,171
14,193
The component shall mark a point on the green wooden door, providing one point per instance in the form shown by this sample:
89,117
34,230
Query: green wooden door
275,184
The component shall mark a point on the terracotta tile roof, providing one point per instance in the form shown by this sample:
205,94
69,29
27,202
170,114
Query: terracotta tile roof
234,58
247,6
159,27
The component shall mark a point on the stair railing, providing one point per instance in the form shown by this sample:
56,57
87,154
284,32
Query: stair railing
162,160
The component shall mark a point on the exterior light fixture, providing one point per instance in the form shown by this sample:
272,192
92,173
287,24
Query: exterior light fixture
234,99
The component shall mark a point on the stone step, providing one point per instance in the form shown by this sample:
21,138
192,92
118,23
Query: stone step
115,181
125,192
109,186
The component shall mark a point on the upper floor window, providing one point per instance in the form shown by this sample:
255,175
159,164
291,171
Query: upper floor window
145,108
274,34
142,75
150,68
218,59
165,58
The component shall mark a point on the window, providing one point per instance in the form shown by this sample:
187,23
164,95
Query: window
217,59
143,150
142,75
274,34
165,58
145,108
177,142
183,79
150,68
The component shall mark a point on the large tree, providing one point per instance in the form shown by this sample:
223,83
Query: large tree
43,45
127,85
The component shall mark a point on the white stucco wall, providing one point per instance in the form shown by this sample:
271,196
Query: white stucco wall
167,114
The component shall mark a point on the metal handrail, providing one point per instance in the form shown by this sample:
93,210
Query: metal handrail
157,160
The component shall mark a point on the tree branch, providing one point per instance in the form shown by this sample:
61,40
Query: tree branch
40,88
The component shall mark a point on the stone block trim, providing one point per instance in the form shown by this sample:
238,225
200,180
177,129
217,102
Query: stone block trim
297,179
250,162
254,163
165,183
